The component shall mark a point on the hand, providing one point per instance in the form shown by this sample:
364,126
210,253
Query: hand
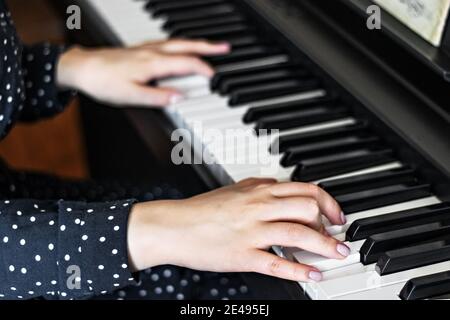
230,229
121,76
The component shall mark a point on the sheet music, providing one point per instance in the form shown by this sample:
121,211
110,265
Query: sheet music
426,17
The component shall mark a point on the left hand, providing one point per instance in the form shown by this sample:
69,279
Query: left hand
120,76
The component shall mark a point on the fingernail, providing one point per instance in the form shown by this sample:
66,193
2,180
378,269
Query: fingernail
176,98
343,218
315,276
343,250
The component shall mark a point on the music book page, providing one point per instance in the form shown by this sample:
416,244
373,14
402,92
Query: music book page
426,17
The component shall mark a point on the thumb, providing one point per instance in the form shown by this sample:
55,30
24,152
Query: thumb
151,96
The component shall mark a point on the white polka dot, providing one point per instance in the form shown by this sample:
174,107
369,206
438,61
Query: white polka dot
12,268
142,293
53,282
102,239
62,228
111,218
116,276
38,284
5,239
84,237
51,247
51,222
79,249
114,251
31,292
22,242
170,289
113,207
90,211
32,219
101,267
158,290
180,296
63,294
77,221
37,258
124,266
67,257
167,273
116,228
19,213
13,288
69,209
23,270
14,226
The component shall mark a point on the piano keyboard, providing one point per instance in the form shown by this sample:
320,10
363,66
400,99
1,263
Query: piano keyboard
397,229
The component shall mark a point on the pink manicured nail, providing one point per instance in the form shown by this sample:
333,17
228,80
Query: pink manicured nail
176,98
343,250
343,218
315,276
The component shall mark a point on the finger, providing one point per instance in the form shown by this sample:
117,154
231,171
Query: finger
149,96
303,237
295,209
327,204
179,65
269,264
198,47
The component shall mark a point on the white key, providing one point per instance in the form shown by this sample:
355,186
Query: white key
381,211
370,279
383,293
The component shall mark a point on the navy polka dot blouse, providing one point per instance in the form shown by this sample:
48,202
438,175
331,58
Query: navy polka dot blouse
52,249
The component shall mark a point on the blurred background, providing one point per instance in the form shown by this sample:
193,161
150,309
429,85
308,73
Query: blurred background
53,146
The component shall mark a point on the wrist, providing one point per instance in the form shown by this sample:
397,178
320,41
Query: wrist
148,235
71,66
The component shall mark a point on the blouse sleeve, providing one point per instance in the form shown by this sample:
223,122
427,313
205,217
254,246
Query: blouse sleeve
43,98
63,250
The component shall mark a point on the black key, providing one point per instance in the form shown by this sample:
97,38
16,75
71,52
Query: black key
364,228
221,77
380,243
273,90
296,154
285,142
245,53
256,113
369,181
218,33
260,78
204,12
414,257
427,287
333,165
381,197
169,7
177,28
301,118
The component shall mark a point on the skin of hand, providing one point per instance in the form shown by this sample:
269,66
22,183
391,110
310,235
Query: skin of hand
121,76
231,229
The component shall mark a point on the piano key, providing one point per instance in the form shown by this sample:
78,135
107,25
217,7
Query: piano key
245,65
369,181
278,74
427,287
284,121
255,114
332,165
413,257
218,33
408,205
177,28
243,54
207,11
167,7
380,197
333,286
294,155
383,293
377,244
363,228
224,76
273,90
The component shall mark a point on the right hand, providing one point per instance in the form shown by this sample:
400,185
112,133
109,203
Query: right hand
231,229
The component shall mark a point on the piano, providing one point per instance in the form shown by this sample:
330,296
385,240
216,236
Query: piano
363,113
